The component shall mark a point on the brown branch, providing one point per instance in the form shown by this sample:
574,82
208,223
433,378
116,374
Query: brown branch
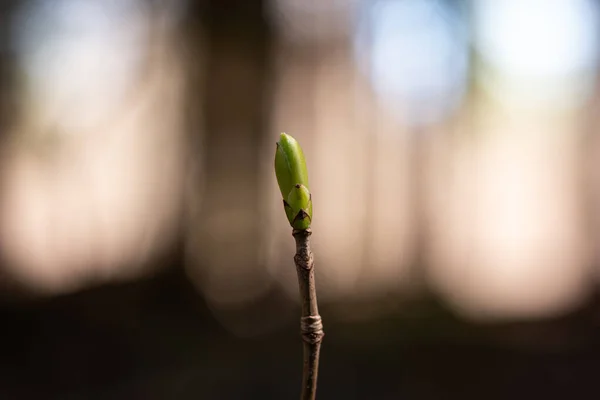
311,326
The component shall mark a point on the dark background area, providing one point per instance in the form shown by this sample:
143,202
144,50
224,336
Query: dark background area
156,339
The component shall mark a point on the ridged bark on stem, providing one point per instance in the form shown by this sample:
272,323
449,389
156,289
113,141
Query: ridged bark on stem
311,326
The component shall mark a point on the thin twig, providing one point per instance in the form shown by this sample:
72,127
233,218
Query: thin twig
311,326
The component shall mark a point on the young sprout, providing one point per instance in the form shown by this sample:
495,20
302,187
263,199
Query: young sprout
292,178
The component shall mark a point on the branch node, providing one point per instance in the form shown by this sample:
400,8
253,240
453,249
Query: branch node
311,328
304,259
302,232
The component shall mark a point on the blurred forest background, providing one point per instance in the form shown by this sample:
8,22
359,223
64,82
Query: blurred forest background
454,158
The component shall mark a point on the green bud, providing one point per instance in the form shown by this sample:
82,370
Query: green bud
292,178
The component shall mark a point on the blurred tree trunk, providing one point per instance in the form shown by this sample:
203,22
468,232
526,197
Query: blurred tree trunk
7,72
236,102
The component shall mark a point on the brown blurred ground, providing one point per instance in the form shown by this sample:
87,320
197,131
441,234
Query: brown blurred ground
156,339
